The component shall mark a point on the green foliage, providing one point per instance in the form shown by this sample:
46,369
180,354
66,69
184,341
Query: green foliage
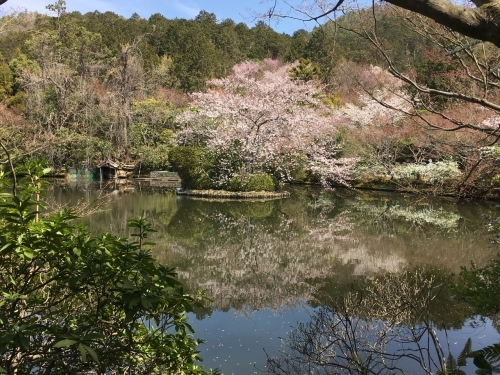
479,286
236,183
6,79
193,165
266,43
67,41
151,117
438,72
32,173
261,182
490,152
161,75
347,38
200,169
252,182
17,100
333,100
487,360
199,49
71,149
20,64
299,41
320,49
153,158
77,303
13,41
196,61
305,71
226,163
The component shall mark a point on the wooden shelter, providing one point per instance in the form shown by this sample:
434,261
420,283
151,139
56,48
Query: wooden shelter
108,169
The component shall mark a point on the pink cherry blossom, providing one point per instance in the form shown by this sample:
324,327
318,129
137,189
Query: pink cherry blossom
277,123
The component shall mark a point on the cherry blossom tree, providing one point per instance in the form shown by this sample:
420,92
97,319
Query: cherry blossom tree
267,122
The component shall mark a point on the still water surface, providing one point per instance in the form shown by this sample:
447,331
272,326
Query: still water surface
268,264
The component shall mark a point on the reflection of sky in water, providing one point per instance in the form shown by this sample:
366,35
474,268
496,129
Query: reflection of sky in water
482,334
452,341
235,343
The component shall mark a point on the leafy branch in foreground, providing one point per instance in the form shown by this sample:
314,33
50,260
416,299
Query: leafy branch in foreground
487,360
77,303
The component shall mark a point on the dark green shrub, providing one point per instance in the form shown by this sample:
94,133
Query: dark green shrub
236,183
193,164
252,182
226,163
261,182
202,182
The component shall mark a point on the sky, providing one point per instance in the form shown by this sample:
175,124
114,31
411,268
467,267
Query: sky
237,10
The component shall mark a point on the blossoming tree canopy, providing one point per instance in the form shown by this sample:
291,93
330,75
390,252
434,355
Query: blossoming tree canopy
272,123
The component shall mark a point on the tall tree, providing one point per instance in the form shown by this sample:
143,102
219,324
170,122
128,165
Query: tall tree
196,60
300,39
266,43
126,83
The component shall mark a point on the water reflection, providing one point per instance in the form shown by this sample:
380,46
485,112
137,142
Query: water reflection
274,254
388,327
267,265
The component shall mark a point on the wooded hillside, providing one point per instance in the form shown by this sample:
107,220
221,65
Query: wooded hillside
77,89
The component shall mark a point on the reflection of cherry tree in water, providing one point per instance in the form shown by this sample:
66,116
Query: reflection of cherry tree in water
249,263
273,254
353,252
269,254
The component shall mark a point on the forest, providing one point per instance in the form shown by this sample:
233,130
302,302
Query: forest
375,99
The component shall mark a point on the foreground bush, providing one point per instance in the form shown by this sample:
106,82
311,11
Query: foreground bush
75,303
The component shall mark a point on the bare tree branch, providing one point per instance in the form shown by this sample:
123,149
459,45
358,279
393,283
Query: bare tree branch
482,22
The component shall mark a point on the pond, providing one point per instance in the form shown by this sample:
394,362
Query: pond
268,265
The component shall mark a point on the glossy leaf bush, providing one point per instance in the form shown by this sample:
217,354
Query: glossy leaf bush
76,303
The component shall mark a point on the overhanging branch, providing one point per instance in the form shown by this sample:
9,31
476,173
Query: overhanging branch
481,23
